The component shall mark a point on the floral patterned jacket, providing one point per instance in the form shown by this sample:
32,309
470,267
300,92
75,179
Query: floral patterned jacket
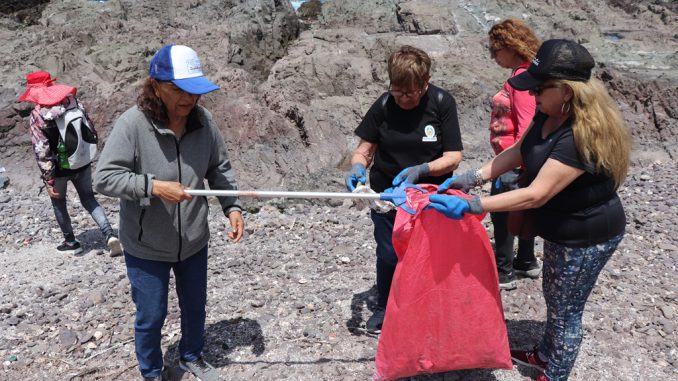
45,137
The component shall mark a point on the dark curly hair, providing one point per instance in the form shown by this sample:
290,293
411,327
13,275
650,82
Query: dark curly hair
514,34
150,104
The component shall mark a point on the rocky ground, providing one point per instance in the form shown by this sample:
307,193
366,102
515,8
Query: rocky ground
288,302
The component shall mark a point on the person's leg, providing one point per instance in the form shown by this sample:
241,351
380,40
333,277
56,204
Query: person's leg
60,209
525,257
503,243
149,281
191,287
386,256
572,275
82,181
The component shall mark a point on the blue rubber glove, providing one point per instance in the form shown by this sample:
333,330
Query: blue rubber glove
411,175
454,207
354,176
464,182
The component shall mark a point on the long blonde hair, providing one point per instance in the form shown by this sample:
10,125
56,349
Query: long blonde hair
601,136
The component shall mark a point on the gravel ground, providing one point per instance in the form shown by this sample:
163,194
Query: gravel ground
289,301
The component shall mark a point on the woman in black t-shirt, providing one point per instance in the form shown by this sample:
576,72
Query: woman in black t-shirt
576,154
410,133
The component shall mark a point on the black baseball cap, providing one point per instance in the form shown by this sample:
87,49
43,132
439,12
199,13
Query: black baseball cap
556,59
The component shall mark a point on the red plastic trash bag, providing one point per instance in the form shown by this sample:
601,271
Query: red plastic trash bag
444,310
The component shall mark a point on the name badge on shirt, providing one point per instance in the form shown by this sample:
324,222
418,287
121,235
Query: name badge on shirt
430,133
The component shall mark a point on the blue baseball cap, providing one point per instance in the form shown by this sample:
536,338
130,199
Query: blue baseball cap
180,65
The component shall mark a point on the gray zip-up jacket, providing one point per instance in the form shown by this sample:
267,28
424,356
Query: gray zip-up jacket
139,150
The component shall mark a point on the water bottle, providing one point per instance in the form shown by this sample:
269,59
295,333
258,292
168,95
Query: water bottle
62,157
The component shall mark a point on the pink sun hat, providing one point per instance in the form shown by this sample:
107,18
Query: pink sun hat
43,91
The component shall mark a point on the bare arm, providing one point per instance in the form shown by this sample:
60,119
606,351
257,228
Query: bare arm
553,177
508,159
445,164
364,153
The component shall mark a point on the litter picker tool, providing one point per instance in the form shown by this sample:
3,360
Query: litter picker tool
398,196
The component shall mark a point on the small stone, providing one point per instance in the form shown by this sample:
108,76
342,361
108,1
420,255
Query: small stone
67,337
667,311
345,259
257,303
98,335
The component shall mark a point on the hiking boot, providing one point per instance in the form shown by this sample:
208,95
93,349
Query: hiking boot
114,247
375,321
507,282
201,369
70,247
530,271
529,358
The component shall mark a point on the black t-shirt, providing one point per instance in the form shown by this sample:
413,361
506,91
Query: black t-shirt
410,137
588,211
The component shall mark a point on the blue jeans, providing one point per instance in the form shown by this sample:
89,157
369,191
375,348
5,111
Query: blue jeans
150,286
82,181
569,276
386,256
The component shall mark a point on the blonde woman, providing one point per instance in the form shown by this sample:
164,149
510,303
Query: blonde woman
576,154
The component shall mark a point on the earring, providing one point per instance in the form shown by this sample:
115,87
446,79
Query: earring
562,108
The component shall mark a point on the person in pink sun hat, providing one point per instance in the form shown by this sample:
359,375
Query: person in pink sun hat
42,90
64,143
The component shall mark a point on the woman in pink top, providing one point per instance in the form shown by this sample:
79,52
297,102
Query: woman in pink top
512,45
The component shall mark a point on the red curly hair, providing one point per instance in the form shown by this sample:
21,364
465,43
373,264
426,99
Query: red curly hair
516,35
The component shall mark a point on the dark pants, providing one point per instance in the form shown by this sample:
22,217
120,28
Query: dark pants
82,181
570,273
386,256
150,286
503,239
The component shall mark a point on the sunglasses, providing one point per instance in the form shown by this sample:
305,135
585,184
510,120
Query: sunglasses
540,89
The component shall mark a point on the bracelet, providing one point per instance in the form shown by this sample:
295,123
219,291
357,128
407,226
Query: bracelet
478,178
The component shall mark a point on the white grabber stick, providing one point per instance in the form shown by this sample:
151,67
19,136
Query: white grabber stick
397,196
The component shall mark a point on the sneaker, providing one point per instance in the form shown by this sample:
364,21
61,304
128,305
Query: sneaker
533,271
70,247
114,247
201,369
507,282
529,358
375,321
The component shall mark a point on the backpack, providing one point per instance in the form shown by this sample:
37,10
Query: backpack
77,145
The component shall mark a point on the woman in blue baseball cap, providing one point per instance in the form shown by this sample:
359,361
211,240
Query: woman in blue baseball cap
576,153
157,149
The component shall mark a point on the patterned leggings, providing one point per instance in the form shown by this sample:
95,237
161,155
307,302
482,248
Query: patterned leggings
569,276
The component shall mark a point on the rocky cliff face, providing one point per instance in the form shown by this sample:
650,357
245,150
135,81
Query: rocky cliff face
290,99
